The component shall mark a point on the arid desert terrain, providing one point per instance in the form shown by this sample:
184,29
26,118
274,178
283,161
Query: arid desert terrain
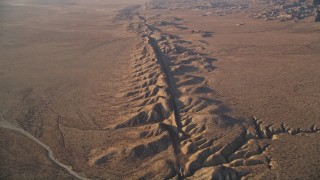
159,89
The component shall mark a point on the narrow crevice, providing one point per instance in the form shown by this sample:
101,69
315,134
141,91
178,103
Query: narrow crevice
172,99
174,136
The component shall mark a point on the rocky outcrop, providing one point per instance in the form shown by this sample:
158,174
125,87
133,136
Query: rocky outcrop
287,10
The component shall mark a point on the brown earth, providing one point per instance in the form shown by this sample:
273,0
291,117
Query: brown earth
157,90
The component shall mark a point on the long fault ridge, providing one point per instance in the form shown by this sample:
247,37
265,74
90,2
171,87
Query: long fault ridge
169,125
183,132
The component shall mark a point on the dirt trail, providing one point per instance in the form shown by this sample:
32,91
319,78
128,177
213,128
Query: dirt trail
7,125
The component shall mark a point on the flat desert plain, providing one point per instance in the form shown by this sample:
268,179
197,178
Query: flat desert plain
159,89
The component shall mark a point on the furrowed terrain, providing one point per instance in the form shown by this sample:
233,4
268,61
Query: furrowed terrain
180,103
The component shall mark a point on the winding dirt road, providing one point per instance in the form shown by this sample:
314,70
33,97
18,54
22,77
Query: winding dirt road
7,125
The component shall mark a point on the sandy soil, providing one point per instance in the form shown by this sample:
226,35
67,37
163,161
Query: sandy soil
61,63
157,89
